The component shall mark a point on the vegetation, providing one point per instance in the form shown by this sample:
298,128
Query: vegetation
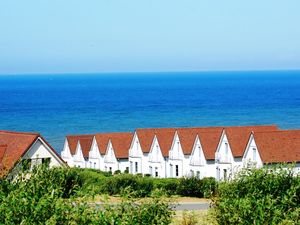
104,183
50,196
264,196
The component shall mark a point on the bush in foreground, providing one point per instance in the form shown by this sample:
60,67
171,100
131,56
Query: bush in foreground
263,196
49,196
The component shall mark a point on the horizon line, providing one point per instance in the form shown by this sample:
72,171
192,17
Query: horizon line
149,72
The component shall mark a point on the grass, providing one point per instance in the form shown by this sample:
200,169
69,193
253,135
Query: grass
177,199
195,217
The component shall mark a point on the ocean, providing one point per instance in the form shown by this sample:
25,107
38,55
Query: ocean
57,105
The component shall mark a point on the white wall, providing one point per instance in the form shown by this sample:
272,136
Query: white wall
95,160
176,165
198,165
66,154
40,150
251,155
156,160
137,159
78,158
110,160
224,159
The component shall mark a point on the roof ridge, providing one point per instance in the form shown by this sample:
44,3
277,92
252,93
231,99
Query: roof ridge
259,125
19,132
276,131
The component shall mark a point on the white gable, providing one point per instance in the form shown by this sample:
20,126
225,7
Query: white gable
155,154
197,156
40,150
176,149
251,155
135,149
110,154
223,153
66,154
94,151
78,157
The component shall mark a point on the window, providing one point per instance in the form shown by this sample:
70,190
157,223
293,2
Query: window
136,167
254,154
90,164
226,151
156,172
225,174
110,169
177,170
198,174
94,165
46,161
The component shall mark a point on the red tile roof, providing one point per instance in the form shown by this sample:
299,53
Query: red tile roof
102,141
209,139
121,143
238,136
164,136
278,146
13,146
85,143
209,142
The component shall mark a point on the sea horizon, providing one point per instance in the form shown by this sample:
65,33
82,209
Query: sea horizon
56,106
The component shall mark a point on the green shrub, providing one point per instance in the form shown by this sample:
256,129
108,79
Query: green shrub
48,196
264,196
190,186
117,172
167,185
208,187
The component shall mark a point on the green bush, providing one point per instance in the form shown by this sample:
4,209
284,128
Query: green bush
264,196
190,186
48,196
208,187
167,185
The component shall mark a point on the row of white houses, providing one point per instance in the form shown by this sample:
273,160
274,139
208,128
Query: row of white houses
175,152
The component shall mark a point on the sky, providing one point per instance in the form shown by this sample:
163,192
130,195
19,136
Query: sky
94,36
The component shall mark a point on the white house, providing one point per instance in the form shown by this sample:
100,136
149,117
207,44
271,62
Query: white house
97,151
72,149
231,147
202,158
17,147
78,146
273,147
139,150
116,155
159,152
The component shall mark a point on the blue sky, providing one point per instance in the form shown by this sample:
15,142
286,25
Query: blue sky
55,36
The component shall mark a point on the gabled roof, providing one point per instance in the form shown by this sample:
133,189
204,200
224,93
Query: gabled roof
208,135
164,136
102,142
121,143
17,144
278,146
145,136
85,143
238,136
209,142
14,145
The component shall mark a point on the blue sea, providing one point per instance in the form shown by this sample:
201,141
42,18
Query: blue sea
57,105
